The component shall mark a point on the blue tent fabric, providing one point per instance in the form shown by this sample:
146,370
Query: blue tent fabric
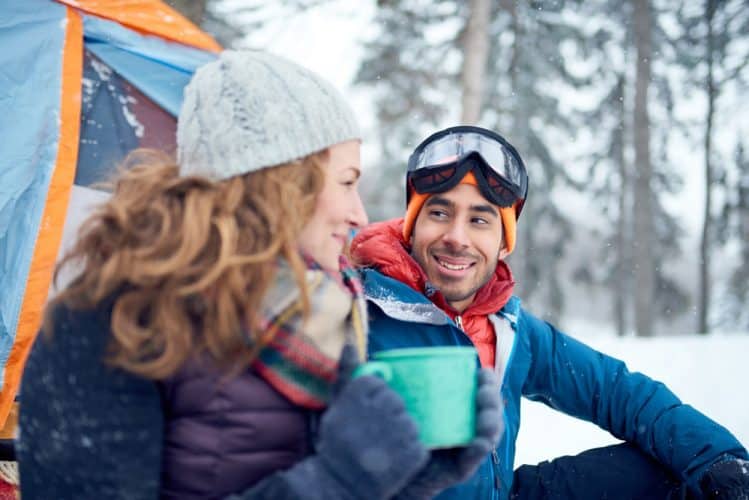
33,34
159,68
106,134
150,73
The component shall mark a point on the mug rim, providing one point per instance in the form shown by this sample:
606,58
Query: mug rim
419,352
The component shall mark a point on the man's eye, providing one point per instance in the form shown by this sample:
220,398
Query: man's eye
480,221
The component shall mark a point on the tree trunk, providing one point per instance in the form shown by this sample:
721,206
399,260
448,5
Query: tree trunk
621,275
704,291
643,238
475,56
194,10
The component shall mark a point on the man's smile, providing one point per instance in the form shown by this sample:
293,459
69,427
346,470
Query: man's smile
453,267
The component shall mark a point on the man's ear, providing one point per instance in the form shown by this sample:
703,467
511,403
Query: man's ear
503,252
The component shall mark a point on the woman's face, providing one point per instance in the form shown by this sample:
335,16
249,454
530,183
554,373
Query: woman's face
339,207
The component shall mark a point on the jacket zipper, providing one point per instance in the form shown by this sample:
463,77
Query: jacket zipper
495,456
495,461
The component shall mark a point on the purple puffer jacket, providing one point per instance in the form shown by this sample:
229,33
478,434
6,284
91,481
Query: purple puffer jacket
222,435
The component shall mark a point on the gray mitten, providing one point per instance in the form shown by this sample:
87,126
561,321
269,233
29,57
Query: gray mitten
446,468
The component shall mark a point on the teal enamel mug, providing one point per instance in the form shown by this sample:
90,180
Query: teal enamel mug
438,386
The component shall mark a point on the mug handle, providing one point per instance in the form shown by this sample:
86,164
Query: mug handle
376,368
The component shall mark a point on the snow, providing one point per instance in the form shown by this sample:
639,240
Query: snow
707,372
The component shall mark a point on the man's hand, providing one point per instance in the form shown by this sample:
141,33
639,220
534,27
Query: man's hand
726,480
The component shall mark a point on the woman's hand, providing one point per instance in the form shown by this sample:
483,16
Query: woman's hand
367,437
368,446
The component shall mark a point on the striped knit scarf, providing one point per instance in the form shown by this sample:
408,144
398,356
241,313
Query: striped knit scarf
301,360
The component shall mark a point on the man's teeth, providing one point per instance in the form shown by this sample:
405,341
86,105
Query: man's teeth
453,267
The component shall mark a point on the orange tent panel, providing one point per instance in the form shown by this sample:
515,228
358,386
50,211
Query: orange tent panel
53,218
148,17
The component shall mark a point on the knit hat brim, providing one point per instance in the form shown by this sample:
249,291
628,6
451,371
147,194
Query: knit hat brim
507,214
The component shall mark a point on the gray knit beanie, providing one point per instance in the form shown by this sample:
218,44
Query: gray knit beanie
249,110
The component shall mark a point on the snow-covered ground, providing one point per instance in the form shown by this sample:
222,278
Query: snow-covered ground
710,373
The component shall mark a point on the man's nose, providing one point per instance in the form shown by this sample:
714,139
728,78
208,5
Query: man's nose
456,235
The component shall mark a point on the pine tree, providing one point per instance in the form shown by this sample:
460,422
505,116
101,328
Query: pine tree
527,63
712,49
608,52
411,65
732,231
737,210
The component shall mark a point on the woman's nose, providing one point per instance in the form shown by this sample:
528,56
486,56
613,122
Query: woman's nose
358,215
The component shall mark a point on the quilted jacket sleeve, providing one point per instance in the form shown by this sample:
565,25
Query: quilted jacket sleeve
86,430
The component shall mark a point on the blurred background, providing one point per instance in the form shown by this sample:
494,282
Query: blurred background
631,117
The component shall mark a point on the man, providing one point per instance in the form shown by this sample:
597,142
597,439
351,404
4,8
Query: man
438,277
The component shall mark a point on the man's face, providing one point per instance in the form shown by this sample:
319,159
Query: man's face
457,240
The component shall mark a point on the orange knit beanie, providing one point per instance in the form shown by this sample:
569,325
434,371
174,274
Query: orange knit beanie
509,219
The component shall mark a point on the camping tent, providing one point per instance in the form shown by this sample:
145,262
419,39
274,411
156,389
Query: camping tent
81,83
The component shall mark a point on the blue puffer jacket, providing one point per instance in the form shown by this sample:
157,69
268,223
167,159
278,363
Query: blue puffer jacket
539,362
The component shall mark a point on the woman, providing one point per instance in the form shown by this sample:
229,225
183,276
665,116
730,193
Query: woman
196,350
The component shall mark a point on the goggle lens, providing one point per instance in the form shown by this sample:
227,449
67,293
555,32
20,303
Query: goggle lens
427,180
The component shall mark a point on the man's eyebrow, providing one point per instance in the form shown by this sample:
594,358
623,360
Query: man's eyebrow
485,209
439,200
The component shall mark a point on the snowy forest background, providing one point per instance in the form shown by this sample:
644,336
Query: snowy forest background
631,117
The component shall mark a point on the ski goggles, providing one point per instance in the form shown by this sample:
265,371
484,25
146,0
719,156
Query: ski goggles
440,162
